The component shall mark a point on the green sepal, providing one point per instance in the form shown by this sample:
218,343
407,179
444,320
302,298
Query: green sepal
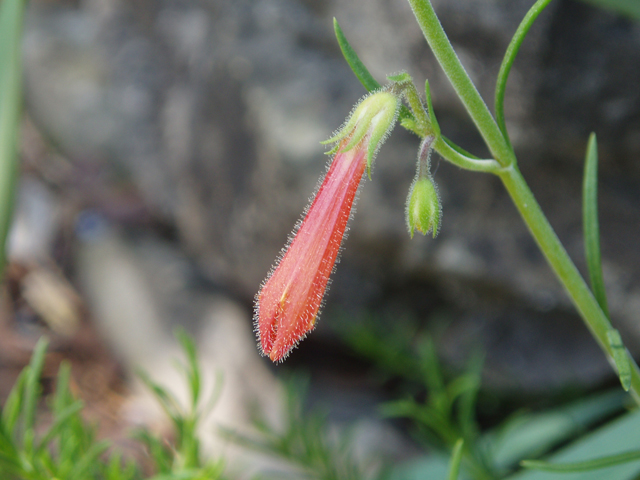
359,132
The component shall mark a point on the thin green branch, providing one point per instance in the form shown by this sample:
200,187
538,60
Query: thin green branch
507,62
559,260
442,146
464,87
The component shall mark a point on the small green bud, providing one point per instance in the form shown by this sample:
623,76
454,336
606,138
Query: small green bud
423,207
372,120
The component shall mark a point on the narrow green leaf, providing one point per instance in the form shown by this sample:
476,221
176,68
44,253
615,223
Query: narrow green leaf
456,459
86,463
621,433
365,77
507,62
354,61
166,399
192,371
594,464
432,115
11,15
62,397
628,8
32,383
590,223
529,435
620,358
11,409
59,423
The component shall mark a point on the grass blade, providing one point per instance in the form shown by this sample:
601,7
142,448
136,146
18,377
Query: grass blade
456,459
11,16
32,384
628,8
602,462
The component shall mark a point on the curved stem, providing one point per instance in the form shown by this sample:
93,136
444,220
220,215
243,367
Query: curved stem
477,165
509,57
464,87
563,267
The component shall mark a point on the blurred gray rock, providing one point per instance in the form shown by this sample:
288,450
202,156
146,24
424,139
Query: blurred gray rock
216,108
139,290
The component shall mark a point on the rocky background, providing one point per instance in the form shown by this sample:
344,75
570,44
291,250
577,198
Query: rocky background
172,145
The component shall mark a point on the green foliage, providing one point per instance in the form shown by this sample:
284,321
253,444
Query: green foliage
456,458
11,15
305,442
448,412
595,456
590,223
509,58
628,8
182,459
69,449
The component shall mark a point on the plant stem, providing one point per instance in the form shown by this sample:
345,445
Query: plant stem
476,165
464,87
538,225
563,267
11,18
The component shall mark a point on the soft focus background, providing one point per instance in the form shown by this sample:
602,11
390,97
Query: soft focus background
170,146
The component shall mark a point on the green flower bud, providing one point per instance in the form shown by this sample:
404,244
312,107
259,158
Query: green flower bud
371,120
423,207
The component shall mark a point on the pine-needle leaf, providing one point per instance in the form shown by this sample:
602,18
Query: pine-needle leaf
509,57
354,61
628,8
585,466
590,223
620,358
32,384
456,459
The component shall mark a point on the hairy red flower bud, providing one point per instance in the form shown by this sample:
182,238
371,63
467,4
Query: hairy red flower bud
289,301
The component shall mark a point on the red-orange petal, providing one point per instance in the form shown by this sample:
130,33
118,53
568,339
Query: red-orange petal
289,301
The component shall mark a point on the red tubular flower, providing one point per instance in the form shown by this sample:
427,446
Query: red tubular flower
289,301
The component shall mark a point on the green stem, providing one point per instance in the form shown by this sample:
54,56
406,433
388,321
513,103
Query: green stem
448,153
464,87
11,18
563,267
509,58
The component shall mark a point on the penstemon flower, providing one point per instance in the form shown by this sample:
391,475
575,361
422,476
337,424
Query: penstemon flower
289,301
